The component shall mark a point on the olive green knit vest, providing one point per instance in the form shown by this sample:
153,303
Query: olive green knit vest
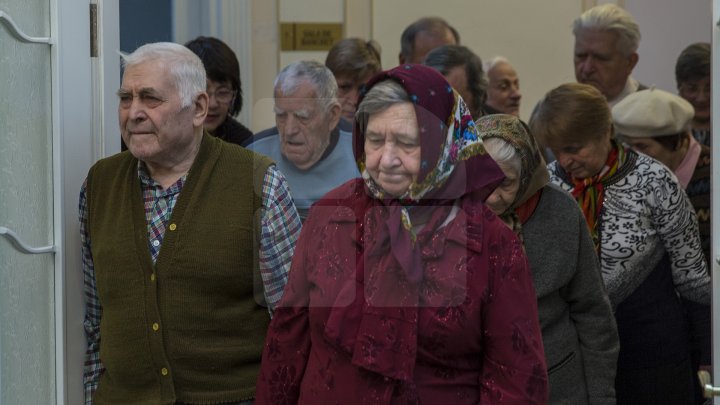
191,328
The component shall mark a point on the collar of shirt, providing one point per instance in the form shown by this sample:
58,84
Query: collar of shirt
159,204
148,183
631,86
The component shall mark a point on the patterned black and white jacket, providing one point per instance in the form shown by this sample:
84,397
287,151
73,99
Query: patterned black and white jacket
645,215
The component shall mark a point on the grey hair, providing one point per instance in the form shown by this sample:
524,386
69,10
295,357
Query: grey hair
317,74
381,96
185,68
611,17
494,61
503,153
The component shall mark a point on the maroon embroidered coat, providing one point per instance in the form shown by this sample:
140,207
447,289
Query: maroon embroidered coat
467,333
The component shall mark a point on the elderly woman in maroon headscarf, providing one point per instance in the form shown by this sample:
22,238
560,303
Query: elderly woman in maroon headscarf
405,287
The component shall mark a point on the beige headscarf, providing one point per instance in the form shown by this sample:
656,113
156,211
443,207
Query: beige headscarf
533,172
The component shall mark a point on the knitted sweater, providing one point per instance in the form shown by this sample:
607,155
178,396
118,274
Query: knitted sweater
578,327
189,328
335,167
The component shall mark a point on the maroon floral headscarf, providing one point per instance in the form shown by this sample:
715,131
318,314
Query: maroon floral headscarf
450,148
453,160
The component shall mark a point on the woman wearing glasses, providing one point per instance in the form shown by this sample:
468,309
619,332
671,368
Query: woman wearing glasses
223,87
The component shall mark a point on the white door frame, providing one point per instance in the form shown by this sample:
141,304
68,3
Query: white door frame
82,133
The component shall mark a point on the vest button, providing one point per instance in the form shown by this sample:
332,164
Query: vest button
156,326
152,277
164,371
173,227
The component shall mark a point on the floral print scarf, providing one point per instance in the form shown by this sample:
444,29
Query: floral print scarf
453,160
590,192
533,174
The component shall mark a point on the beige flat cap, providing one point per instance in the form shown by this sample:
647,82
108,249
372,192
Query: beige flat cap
651,113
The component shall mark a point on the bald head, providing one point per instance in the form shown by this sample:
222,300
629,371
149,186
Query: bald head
424,35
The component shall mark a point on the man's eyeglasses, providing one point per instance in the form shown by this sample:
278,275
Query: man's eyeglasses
222,95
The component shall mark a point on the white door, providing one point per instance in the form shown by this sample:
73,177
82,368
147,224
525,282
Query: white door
52,126
27,298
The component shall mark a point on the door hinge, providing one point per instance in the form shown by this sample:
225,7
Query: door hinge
93,31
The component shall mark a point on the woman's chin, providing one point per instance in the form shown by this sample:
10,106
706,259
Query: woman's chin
393,190
211,124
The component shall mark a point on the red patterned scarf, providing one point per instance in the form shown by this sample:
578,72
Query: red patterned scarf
590,192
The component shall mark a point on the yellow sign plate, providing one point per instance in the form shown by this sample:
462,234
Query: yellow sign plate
309,36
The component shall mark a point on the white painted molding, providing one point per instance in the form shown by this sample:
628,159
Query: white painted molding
19,34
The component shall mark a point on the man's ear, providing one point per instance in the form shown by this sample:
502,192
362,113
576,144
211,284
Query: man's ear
334,116
401,59
632,61
200,109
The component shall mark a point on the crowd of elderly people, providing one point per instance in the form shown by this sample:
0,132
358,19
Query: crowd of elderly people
401,236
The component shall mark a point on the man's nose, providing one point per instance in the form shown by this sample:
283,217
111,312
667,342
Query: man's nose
137,109
291,124
588,65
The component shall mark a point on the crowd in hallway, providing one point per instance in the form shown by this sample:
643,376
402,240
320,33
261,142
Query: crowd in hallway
401,235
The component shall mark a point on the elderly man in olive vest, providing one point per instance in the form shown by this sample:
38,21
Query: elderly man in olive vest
186,244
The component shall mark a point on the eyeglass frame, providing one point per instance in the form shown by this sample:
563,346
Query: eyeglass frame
692,89
233,93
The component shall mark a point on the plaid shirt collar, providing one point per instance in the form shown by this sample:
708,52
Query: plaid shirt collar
159,204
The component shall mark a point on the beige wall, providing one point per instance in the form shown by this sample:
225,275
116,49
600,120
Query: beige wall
667,27
536,36
267,58
264,62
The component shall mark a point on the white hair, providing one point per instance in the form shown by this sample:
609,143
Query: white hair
494,61
315,73
503,153
185,68
611,17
